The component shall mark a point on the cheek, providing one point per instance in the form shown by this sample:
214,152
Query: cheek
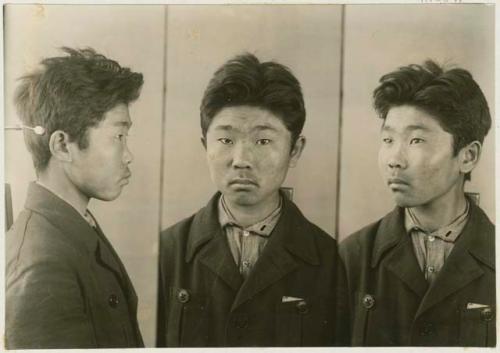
274,162
380,158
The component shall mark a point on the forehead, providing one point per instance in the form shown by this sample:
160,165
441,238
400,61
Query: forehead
407,118
247,119
118,116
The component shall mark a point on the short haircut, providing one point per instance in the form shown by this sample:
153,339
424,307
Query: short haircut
244,80
71,93
451,96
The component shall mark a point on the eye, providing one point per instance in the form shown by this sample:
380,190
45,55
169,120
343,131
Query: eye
121,137
263,141
225,141
387,140
416,140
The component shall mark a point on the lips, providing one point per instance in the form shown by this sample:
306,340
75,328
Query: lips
397,182
126,176
243,181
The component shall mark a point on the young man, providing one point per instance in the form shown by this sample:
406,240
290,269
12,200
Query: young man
424,275
66,287
249,269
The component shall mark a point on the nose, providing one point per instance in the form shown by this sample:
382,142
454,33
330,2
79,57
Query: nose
242,156
397,157
128,157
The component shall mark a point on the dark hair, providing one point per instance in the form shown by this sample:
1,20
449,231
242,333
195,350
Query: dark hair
244,80
71,93
451,96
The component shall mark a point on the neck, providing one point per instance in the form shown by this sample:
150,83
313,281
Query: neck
57,182
442,211
247,215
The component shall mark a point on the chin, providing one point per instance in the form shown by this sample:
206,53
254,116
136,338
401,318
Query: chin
241,199
108,196
406,202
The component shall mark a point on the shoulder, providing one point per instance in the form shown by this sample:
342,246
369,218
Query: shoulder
361,240
480,220
34,239
303,227
322,237
177,231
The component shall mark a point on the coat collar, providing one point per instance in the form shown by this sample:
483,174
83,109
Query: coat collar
290,244
62,215
289,231
474,236
474,246
72,224
389,233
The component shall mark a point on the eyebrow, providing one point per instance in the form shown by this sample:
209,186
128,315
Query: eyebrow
223,127
123,123
264,127
255,128
407,128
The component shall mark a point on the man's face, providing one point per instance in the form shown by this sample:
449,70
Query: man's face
416,158
249,153
101,170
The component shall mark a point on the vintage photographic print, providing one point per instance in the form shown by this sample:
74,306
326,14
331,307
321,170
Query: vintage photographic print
258,175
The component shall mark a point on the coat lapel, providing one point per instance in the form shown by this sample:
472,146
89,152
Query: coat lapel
217,257
462,265
62,215
290,237
394,243
108,257
208,240
73,225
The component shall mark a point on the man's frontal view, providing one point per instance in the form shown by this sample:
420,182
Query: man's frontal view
249,269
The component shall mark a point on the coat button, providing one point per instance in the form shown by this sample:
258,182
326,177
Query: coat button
241,321
368,301
426,330
183,296
487,314
302,307
113,301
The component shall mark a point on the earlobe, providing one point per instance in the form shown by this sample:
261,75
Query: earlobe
470,155
297,151
58,145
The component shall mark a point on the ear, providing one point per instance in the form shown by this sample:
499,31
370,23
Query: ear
297,151
469,156
204,142
59,146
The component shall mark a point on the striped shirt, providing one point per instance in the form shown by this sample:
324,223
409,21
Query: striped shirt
246,243
432,248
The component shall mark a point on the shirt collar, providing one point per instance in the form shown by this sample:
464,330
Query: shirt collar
447,233
262,228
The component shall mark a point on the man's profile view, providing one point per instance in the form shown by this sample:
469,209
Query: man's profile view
424,275
65,285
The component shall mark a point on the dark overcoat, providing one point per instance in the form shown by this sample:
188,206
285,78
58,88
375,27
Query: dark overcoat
295,295
65,285
391,301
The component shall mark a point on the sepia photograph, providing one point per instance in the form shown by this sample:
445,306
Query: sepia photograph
249,175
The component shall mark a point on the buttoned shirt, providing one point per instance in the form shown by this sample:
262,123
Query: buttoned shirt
433,247
246,243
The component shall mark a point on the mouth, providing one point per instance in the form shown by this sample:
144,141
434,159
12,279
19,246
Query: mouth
243,182
396,183
125,178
